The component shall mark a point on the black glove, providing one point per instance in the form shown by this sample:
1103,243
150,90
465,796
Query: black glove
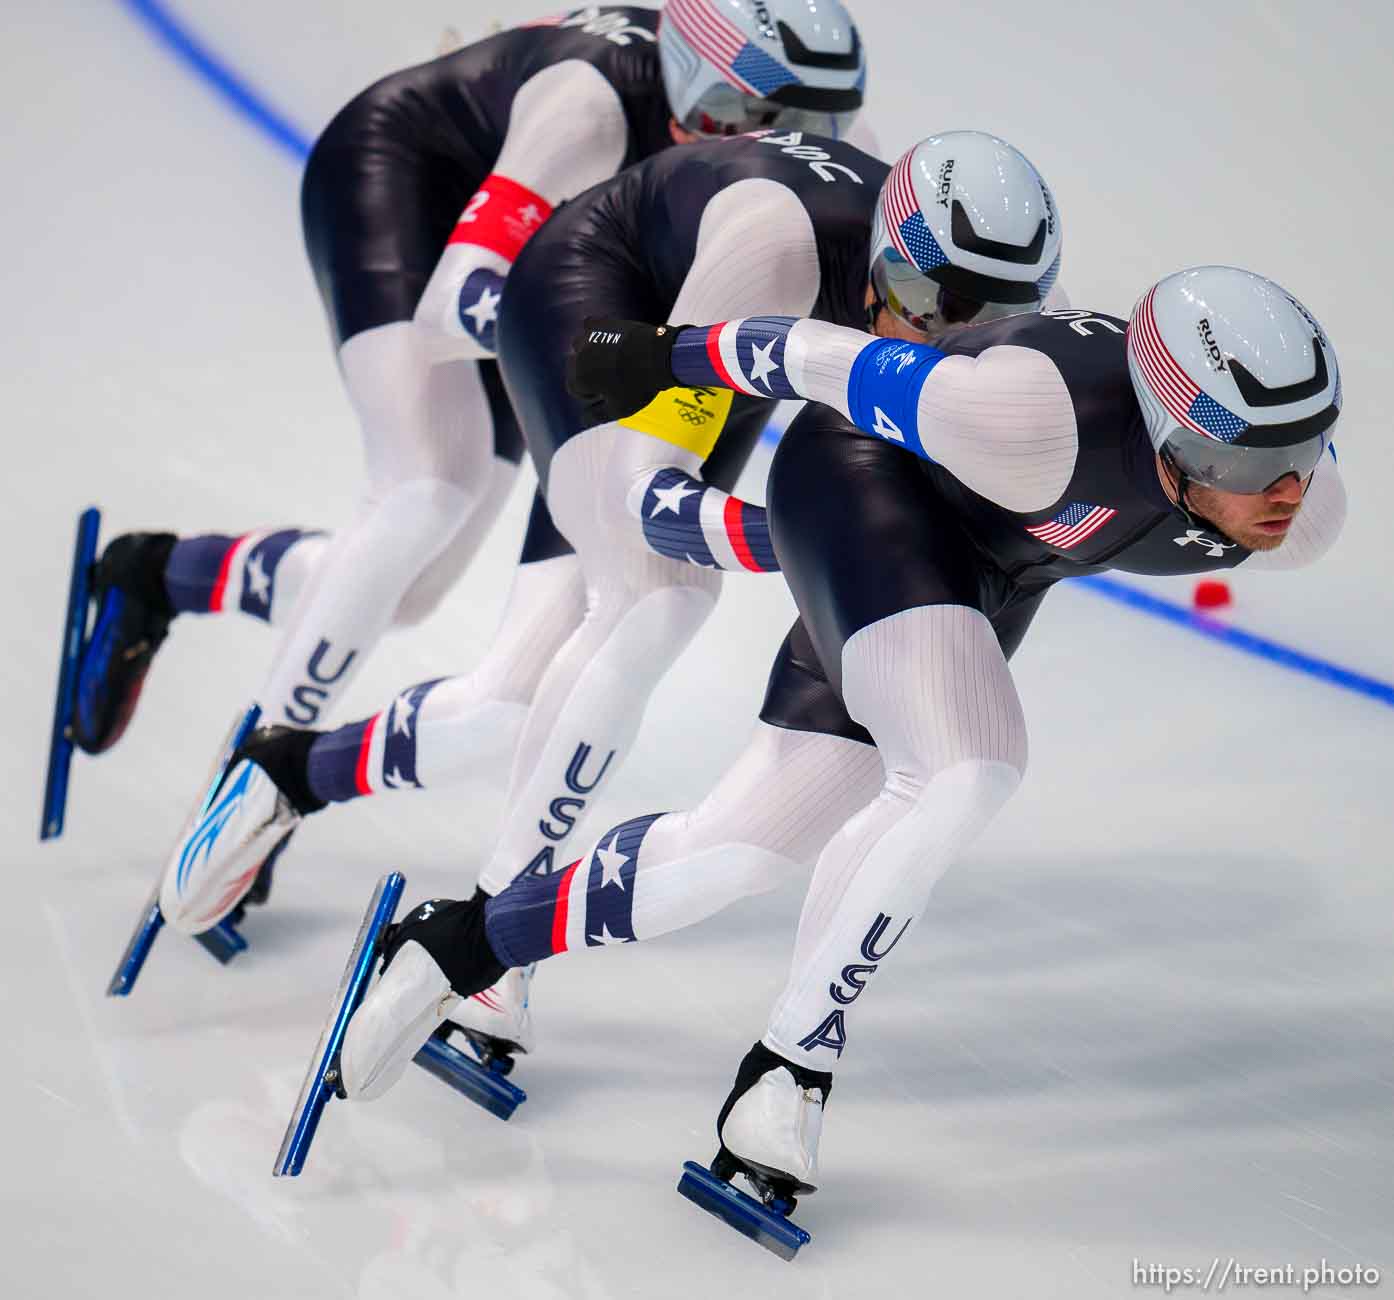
618,366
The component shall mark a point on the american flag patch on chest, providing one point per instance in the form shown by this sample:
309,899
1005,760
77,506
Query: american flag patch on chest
1072,525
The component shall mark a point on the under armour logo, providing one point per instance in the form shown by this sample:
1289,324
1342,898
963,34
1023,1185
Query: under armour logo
1214,547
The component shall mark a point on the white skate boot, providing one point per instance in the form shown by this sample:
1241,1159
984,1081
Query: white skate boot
769,1130
441,939
771,1123
497,1020
215,866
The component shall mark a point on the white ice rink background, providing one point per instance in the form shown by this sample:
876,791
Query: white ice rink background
1149,1017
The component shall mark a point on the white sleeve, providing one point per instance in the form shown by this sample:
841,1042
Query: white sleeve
756,254
1316,527
1002,423
566,132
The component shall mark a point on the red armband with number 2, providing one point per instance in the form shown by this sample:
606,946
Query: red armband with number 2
502,216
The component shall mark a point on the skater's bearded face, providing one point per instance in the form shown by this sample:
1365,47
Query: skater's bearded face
1258,521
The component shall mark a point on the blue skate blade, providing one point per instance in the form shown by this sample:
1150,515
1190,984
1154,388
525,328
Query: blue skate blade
138,949
322,1077
222,941
60,747
743,1213
467,1076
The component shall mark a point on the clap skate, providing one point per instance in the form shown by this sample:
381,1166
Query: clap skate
369,1039
497,1026
220,937
101,670
769,1130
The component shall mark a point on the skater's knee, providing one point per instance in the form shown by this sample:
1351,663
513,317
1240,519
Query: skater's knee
648,629
420,513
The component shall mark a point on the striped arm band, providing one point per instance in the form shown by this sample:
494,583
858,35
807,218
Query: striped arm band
686,519
747,355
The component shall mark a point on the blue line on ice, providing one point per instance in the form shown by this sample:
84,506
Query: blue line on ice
239,95
203,62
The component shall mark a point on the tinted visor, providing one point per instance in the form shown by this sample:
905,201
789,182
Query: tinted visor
723,110
932,301
1234,467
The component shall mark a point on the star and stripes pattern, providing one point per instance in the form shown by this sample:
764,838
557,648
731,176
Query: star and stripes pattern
1183,399
1072,525
688,520
725,46
589,904
202,574
905,223
259,567
378,753
747,355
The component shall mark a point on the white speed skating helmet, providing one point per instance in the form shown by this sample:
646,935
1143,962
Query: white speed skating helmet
731,66
1238,384
965,230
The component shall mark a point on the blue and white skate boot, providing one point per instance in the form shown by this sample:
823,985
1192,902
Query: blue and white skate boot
769,1130
254,809
433,962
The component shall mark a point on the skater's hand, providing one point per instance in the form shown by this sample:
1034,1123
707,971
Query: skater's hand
618,366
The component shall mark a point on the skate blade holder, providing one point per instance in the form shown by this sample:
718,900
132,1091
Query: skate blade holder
222,941
768,1225
60,748
482,1084
322,1079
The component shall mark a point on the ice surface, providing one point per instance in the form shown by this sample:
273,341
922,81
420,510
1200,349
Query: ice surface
1152,1014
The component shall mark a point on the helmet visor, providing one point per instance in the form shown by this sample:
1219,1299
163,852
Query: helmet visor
1233,467
723,110
934,300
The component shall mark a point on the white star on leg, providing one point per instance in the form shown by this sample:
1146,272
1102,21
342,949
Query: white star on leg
671,498
763,364
402,712
485,311
611,864
393,779
258,581
605,937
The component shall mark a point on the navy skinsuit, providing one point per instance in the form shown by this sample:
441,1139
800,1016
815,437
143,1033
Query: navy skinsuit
863,530
624,247
390,175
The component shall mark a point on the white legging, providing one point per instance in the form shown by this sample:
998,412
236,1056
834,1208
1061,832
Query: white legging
932,687
434,488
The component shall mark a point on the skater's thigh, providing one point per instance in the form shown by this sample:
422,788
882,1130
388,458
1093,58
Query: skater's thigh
861,535
592,475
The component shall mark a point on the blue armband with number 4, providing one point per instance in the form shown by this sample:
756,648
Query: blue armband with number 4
883,390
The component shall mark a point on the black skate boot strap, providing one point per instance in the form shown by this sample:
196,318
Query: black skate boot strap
283,753
453,933
758,1062
136,563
